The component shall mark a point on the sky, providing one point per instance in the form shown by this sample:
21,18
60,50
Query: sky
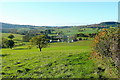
58,13
60,0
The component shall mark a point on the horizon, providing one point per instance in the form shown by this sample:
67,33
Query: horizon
58,13
58,26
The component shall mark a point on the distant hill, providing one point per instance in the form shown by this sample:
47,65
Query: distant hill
109,23
102,24
7,25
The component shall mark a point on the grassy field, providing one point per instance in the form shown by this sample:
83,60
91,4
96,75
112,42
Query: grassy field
58,60
75,30
17,36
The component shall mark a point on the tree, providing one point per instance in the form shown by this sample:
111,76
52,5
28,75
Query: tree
10,43
27,37
48,31
81,35
4,43
11,36
92,35
40,41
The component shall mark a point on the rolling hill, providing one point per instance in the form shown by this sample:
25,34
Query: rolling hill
102,24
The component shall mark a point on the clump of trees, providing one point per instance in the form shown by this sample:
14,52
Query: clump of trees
11,36
40,41
8,43
107,44
82,35
86,35
27,37
92,35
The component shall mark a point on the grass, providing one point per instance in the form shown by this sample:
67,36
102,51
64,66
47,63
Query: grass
59,60
17,36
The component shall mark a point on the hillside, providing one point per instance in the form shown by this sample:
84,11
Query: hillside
58,60
109,23
7,25
105,24
52,62
102,25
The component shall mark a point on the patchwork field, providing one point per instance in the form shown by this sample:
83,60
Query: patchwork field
58,60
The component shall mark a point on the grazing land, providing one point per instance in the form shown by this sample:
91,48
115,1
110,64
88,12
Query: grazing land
58,60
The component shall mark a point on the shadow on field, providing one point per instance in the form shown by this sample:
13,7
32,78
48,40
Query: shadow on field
68,66
77,59
3,55
20,48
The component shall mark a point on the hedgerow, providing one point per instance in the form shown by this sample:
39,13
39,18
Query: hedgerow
107,45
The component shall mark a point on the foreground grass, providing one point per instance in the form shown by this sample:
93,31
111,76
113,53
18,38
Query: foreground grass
59,60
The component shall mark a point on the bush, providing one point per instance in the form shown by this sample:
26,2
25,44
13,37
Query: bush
29,46
80,38
81,35
4,43
107,44
27,37
92,35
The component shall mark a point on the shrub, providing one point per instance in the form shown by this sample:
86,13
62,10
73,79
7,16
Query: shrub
4,42
27,37
107,44
29,46
80,38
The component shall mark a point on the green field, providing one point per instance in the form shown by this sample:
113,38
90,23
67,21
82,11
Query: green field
17,36
58,60
75,30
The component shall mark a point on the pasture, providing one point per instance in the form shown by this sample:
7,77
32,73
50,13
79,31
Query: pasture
58,60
